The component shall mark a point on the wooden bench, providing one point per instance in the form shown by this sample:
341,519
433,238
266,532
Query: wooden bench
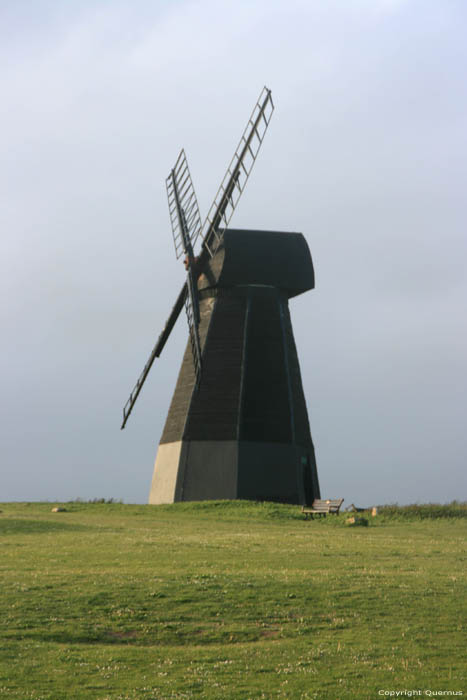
321,507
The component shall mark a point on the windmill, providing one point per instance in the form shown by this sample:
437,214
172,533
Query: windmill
237,426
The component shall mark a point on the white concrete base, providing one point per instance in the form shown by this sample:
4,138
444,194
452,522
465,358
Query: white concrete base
164,478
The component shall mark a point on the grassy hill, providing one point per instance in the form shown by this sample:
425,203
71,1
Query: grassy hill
229,600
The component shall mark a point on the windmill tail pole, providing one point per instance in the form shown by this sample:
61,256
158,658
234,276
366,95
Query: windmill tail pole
159,346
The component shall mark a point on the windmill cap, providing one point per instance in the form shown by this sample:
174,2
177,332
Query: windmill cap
272,258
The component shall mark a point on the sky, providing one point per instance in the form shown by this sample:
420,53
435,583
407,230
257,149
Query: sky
366,155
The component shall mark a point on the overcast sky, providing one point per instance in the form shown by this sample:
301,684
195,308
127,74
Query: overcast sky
366,155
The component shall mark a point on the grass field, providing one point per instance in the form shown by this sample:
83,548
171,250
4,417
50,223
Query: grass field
229,600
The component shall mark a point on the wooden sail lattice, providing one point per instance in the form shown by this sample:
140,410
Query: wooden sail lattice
238,172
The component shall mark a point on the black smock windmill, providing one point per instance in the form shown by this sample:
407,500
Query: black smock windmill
237,427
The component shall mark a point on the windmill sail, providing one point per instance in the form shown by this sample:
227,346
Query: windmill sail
183,207
186,226
170,323
192,314
238,172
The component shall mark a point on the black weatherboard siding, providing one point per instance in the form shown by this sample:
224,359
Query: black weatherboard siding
266,411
